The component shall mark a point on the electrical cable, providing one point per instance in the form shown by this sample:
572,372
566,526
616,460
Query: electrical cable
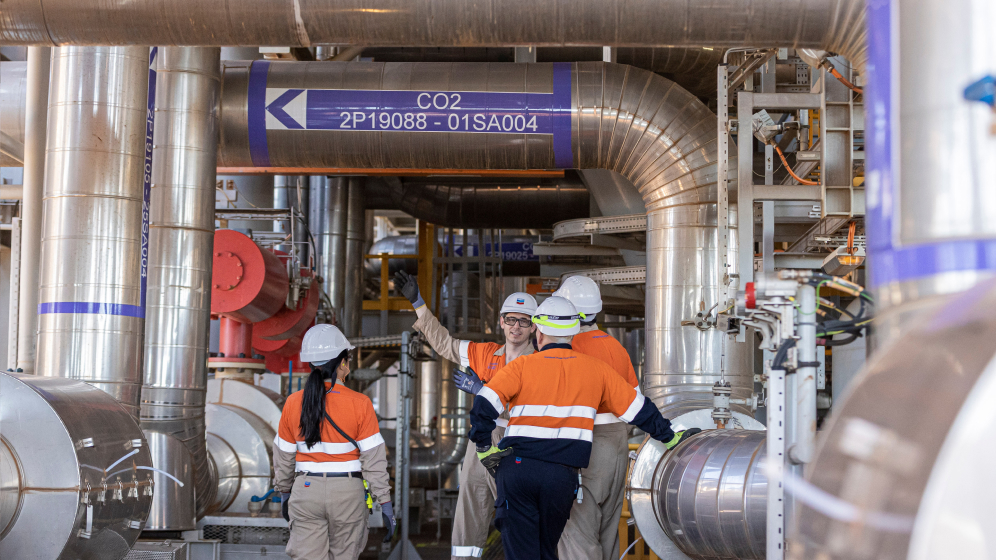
789,168
844,80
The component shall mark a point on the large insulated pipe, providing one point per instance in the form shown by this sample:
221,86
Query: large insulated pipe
352,311
481,203
329,204
13,111
75,471
91,300
922,409
710,495
594,115
35,127
829,24
930,220
179,294
432,465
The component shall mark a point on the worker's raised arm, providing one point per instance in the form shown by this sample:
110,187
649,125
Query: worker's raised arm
439,338
630,406
491,400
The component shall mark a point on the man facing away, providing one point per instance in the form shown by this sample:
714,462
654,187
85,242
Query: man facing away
476,497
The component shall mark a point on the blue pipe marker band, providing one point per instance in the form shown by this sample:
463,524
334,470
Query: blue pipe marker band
81,307
891,262
353,110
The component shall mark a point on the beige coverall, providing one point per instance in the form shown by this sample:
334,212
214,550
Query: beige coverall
329,521
476,499
592,532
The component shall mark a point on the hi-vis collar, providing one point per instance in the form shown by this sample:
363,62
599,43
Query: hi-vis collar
547,320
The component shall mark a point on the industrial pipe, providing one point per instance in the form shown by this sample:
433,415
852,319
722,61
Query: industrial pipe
481,203
35,127
925,241
430,465
92,289
181,238
801,450
329,204
710,495
834,25
76,476
596,115
352,311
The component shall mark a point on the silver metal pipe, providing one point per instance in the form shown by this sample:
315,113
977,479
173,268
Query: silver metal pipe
352,314
13,110
429,465
74,471
35,128
928,239
91,304
428,394
641,125
329,203
292,191
710,495
181,238
834,25
801,451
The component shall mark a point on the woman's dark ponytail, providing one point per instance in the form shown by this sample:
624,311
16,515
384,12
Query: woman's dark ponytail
313,399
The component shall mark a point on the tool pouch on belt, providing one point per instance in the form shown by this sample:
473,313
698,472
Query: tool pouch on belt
368,497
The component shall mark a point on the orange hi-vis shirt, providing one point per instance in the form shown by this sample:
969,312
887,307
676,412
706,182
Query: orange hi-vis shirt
601,345
552,397
483,357
351,411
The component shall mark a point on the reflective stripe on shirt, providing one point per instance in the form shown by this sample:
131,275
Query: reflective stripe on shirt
634,408
538,432
606,418
465,353
493,398
339,447
552,411
330,466
501,422
467,551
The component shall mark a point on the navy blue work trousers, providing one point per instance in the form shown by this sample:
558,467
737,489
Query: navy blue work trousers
533,505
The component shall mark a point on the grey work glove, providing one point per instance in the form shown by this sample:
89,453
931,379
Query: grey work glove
467,381
387,512
408,286
284,505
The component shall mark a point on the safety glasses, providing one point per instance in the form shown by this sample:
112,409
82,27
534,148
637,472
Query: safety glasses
512,321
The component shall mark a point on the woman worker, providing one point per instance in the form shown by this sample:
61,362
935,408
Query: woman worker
329,442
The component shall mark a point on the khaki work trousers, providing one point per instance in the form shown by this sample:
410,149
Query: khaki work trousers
475,504
328,518
592,532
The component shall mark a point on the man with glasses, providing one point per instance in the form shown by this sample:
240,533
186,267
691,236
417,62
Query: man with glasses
481,361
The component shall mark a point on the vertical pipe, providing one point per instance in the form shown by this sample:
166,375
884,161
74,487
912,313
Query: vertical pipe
328,225
180,257
286,191
235,338
36,119
355,238
805,391
91,318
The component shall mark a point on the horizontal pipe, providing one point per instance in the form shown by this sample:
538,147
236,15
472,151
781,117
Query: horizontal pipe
484,203
828,24
393,171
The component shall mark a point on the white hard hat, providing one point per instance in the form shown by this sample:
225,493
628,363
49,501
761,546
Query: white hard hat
519,302
583,292
323,343
557,317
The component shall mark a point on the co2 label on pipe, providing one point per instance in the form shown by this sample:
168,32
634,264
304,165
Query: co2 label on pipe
470,112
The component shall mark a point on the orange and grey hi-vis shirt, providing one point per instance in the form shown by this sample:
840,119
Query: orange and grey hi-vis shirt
552,397
352,412
601,345
485,358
